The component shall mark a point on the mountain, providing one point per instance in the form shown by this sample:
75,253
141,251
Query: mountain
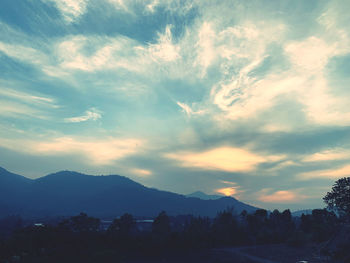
203,196
68,193
13,190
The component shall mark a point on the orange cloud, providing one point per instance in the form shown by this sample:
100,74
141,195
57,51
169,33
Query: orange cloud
227,159
280,197
228,191
141,172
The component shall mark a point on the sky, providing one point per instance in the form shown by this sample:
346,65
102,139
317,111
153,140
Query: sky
242,98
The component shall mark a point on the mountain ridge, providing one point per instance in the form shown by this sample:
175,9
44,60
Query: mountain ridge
68,192
204,196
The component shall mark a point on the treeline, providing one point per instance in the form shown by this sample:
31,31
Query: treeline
81,239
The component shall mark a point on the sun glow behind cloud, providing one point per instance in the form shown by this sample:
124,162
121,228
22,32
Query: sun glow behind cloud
228,191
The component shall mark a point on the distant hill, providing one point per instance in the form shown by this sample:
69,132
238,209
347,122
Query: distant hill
68,193
203,196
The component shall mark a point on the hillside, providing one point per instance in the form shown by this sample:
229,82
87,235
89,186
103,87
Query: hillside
68,193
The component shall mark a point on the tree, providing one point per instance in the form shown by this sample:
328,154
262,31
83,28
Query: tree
81,223
161,224
339,198
123,225
225,227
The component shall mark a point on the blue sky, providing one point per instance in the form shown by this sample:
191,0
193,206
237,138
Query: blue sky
242,98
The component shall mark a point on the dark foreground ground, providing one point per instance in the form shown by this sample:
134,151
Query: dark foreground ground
252,254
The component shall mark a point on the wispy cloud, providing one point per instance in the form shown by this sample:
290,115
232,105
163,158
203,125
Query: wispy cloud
141,172
188,110
27,97
23,53
20,110
281,196
328,155
164,49
71,9
334,173
96,151
91,114
227,159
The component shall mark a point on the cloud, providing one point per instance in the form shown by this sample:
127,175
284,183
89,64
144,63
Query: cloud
311,54
242,94
188,110
120,4
152,5
141,172
282,196
19,110
96,151
242,50
231,190
227,191
226,159
164,49
281,165
23,53
91,114
328,155
205,46
27,97
111,53
334,173
19,104
71,9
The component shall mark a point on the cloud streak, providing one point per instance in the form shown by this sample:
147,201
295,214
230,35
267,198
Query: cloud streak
226,159
91,114
95,151
334,173
71,9
281,196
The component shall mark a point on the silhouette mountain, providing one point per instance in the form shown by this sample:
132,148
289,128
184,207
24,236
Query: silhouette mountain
68,193
201,195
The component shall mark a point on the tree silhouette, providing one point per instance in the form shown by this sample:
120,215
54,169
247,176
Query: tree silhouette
161,224
225,227
123,225
81,223
339,198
